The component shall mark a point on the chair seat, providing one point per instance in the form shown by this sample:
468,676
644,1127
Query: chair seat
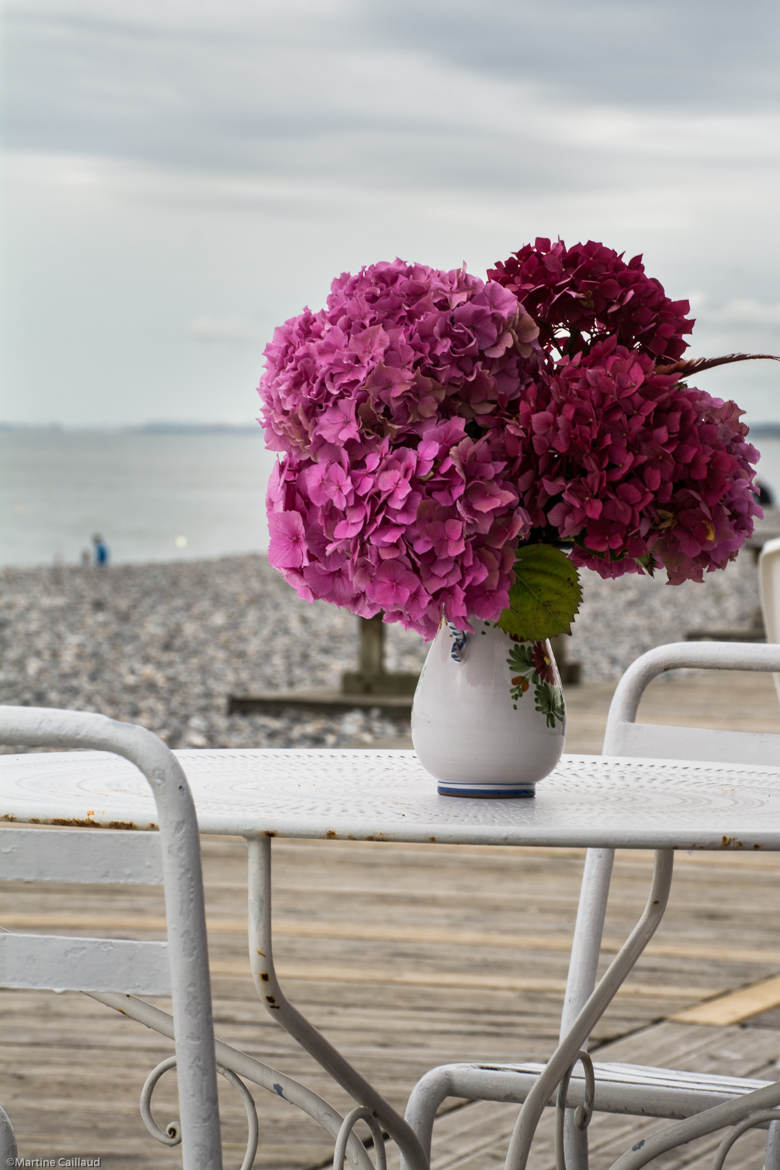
619,1088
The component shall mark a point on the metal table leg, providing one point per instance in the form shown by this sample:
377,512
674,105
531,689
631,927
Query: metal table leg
567,1051
270,993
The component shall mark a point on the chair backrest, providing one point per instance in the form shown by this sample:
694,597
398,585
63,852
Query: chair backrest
625,737
769,588
64,962
171,856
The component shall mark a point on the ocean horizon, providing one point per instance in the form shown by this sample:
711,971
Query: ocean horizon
162,491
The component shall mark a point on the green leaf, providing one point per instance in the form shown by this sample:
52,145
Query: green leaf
545,596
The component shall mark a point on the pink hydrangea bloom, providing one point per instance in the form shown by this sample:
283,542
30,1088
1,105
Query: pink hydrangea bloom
396,346
403,511
414,532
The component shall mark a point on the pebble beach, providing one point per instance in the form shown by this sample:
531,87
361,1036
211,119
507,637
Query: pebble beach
165,644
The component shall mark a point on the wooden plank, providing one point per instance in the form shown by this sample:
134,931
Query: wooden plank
735,1006
476,981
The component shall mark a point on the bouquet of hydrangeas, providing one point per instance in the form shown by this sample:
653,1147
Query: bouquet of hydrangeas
453,447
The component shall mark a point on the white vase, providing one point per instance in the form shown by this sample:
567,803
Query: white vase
488,716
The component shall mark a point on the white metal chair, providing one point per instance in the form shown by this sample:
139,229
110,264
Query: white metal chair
178,967
769,587
622,1088
115,972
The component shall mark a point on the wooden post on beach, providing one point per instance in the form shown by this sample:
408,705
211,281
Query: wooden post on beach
371,685
371,678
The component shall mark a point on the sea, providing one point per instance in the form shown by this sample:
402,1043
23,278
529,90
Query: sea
155,494
162,495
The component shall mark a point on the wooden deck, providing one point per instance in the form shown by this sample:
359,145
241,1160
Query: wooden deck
407,956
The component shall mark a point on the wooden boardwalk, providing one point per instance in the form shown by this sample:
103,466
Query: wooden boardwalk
407,956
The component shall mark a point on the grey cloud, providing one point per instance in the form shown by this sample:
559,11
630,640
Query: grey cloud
703,54
239,89
197,97
182,170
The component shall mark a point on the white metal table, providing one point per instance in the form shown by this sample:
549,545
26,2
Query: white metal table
662,805
387,796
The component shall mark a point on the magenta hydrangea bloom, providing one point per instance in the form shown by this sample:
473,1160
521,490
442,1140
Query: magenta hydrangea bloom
637,469
586,293
703,520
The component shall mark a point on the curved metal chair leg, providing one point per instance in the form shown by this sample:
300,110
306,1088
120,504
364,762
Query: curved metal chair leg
753,1108
247,1068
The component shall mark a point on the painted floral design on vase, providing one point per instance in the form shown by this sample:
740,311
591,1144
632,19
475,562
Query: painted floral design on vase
488,717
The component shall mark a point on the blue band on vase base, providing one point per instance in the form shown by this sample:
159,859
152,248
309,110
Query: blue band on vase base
454,789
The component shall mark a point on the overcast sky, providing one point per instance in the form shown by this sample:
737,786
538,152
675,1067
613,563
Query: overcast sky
183,175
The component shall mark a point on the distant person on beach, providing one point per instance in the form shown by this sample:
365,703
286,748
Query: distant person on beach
101,550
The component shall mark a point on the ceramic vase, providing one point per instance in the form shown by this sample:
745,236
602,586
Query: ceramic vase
488,716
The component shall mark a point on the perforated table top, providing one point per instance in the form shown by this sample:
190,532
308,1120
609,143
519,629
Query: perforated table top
386,795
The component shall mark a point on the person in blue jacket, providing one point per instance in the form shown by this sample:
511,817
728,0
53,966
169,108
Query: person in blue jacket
101,550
